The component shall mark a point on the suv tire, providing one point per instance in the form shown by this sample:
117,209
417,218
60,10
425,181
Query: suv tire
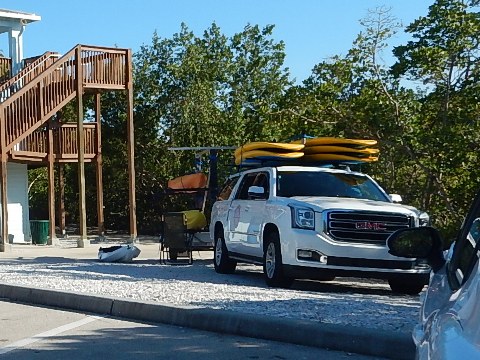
221,261
272,263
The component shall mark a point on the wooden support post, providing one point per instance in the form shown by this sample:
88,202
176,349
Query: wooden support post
4,243
130,149
61,184
52,239
82,241
99,164
61,199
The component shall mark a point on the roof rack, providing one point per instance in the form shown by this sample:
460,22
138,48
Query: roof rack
344,165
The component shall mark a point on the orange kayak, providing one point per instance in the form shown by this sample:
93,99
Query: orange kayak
190,181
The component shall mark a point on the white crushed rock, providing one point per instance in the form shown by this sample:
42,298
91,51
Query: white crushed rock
362,303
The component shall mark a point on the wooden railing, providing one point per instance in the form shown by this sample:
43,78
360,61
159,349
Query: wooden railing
64,142
104,69
36,142
30,107
27,74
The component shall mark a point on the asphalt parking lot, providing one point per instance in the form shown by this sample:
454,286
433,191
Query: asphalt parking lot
365,312
43,333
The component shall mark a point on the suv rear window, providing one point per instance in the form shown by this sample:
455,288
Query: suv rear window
317,183
227,188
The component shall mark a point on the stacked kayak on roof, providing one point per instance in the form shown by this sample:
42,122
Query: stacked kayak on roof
314,150
339,149
262,151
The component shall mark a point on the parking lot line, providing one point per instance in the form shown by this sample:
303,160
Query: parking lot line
33,339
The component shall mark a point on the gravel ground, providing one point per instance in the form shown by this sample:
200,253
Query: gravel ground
348,301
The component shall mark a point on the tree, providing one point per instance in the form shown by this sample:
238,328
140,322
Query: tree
444,55
191,91
257,83
357,96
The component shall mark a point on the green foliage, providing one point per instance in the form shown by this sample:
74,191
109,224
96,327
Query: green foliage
38,193
445,55
428,137
190,91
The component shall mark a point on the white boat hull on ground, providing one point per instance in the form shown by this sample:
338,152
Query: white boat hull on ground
119,253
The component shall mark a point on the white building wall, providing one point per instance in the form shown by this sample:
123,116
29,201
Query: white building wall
17,193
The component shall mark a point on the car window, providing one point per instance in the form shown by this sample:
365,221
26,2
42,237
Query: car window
262,180
316,183
466,250
257,179
228,188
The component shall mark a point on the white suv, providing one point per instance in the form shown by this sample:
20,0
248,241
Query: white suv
313,223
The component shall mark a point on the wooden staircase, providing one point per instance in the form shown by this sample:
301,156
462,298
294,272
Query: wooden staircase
31,131
32,97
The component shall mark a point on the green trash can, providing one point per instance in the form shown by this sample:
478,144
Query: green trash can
39,231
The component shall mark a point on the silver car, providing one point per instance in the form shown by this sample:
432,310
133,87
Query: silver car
449,326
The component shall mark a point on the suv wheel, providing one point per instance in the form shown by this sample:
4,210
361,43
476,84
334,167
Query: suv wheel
272,263
410,285
221,261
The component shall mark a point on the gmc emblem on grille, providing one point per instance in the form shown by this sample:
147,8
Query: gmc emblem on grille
366,225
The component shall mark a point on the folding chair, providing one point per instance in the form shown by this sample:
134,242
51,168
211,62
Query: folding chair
175,242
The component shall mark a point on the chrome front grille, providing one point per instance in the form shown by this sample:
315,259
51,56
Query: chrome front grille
364,226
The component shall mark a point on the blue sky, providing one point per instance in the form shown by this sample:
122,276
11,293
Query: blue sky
312,30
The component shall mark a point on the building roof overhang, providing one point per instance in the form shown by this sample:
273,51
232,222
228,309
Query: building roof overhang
11,19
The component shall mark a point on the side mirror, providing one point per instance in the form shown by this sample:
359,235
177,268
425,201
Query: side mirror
422,242
396,198
256,192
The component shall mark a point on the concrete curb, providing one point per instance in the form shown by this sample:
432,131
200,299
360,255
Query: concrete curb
335,337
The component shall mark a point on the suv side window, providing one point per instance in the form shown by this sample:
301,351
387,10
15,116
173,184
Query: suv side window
227,188
262,180
467,248
247,181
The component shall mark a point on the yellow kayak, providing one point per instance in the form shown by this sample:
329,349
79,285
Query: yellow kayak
196,219
338,157
337,142
320,149
269,146
266,155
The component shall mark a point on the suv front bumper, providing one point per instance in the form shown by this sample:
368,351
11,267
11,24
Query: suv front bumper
306,251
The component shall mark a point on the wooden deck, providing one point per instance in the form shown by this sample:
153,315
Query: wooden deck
30,99
34,148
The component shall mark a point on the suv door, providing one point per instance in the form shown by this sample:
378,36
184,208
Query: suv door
246,214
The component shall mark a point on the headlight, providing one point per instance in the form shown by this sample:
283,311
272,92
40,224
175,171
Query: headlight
303,218
423,219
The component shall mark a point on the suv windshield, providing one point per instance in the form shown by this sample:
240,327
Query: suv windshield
318,183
